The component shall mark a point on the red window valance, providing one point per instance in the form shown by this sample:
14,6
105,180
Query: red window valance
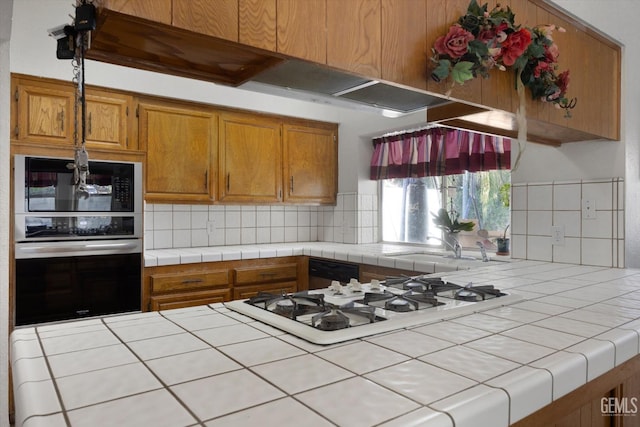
437,152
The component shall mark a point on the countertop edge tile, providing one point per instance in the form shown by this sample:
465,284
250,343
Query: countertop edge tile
600,356
525,399
480,402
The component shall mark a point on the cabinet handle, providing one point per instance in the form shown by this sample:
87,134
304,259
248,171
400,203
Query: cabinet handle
62,120
291,185
206,180
185,282
90,124
267,274
228,181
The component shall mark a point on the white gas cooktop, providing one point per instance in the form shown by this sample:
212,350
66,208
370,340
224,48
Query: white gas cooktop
386,320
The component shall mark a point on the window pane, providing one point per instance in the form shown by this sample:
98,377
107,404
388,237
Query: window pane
407,205
406,209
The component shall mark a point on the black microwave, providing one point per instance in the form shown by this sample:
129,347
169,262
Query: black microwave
49,205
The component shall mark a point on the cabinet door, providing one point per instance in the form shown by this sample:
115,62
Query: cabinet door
44,112
249,159
108,122
302,30
310,164
180,145
154,10
353,36
257,23
405,55
218,18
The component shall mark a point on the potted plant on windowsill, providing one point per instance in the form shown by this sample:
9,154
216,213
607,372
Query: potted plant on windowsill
503,243
450,225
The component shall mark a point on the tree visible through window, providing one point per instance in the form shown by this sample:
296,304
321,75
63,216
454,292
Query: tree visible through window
407,205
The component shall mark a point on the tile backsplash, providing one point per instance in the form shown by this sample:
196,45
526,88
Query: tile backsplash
352,220
536,210
590,214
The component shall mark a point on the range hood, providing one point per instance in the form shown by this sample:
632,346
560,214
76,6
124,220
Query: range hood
295,78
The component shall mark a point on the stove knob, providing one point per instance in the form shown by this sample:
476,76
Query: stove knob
336,286
375,284
355,285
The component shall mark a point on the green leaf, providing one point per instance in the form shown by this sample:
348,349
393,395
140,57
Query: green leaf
520,62
475,9
535,50
478,48
461,72
442,70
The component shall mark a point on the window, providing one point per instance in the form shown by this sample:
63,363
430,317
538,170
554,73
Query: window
407,205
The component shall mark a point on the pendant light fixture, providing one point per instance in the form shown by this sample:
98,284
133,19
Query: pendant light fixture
72,43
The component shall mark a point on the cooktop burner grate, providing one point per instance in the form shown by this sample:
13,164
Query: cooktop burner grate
408,301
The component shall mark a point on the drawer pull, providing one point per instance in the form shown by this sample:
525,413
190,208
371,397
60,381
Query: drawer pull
268,274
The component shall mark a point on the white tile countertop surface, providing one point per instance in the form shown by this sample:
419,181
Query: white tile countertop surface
208,366
403,257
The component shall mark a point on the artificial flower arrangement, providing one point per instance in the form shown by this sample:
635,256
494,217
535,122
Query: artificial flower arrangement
482,40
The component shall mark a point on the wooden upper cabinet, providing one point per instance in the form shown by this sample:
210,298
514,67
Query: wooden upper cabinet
353,36
405,53
181,149
250,153
257,23
607,108
440,16
498,91
302,29
577,56
154,10
218,18
110,121
436,26
310,163
43,112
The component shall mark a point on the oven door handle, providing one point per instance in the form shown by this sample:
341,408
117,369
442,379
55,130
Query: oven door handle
85,248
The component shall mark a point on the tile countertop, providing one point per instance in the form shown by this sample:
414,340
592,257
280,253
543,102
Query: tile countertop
208,366
382,254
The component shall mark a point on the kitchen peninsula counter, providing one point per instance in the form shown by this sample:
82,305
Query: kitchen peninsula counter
210,366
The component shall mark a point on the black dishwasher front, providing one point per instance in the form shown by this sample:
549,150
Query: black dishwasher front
323,271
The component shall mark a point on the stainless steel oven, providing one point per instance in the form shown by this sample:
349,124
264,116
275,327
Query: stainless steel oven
78,253
48,205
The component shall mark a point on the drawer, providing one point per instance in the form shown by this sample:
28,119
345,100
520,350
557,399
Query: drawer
189,299
188,281
245,292
266,274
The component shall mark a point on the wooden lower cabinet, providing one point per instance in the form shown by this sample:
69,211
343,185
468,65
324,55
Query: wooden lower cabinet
187,285
611,400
